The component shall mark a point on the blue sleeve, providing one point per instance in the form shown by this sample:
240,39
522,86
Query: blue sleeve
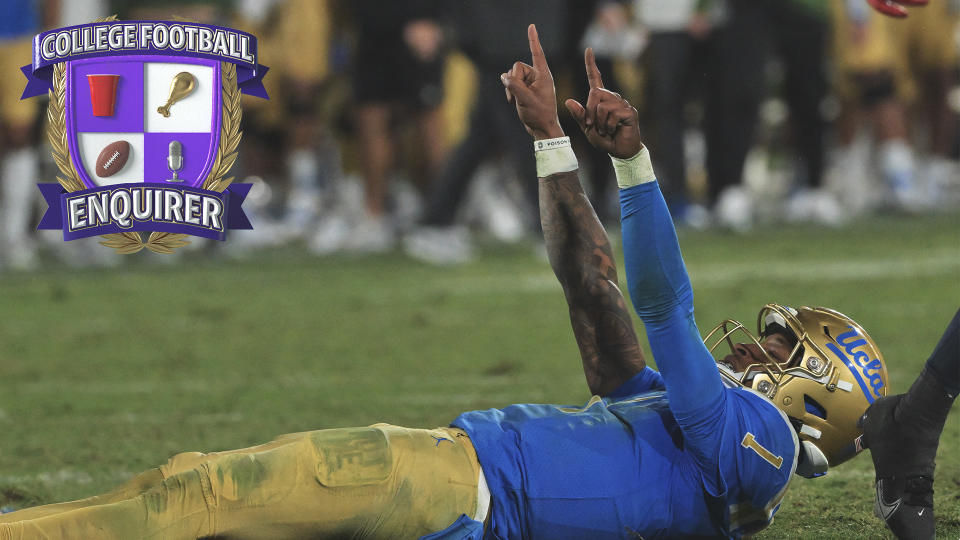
645,381
662,296
463,528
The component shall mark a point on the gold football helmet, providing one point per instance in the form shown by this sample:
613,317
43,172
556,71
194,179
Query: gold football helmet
833,373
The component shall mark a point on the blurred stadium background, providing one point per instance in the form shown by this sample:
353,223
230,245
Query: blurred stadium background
808,148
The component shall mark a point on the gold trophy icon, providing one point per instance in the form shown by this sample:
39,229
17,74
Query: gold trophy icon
183,84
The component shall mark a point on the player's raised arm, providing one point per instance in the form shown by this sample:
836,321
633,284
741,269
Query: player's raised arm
656,276
610,123
577,244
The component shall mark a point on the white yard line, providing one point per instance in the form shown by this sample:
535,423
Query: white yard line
712,275
301,381
65,476
928,265
156,418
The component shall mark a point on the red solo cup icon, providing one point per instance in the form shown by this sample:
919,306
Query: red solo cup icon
103,93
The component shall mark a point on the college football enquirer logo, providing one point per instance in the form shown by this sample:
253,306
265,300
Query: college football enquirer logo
144,123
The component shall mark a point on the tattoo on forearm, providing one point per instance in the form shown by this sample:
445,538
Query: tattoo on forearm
582,259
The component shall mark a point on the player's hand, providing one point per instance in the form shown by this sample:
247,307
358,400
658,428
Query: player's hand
531,89
895,8
609,122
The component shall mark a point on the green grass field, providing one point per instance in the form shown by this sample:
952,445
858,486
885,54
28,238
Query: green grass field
106,373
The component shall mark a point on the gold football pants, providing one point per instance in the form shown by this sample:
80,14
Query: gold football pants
378,482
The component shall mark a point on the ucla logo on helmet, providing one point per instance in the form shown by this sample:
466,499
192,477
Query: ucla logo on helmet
867,371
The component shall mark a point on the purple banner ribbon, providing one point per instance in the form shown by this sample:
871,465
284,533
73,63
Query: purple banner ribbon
144,207
169,38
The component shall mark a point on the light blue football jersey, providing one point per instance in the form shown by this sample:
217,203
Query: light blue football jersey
670,454
620,467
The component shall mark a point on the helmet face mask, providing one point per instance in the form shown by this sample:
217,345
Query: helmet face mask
831,375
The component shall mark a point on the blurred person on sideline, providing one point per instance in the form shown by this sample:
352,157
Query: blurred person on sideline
675,63
266,123
20,20
795,31
490,33
927,67
867,86
285,135
614,37
397,74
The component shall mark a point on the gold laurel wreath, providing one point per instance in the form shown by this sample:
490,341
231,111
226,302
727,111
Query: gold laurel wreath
126,243
229,130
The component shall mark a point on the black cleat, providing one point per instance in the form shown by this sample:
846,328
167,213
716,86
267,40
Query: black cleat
903,458
906,506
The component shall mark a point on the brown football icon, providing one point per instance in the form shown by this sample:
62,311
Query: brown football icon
112,158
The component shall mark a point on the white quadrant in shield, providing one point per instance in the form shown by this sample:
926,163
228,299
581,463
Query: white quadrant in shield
91,144
192,114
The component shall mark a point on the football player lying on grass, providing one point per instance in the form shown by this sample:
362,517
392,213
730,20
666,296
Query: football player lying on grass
702,448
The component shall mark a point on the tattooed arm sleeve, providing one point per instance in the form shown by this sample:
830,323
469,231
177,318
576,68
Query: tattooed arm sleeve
582,260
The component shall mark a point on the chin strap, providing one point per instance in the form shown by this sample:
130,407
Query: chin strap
812,462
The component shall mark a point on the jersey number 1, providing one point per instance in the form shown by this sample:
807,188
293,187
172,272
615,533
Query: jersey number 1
751,443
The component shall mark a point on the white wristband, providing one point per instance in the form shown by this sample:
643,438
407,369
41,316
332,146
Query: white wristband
634,171
554,156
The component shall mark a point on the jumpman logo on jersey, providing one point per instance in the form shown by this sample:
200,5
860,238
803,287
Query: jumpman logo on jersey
440,439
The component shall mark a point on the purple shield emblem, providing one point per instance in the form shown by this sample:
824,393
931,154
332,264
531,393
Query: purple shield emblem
144,127
144,84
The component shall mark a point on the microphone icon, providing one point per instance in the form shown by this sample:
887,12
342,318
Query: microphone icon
175,160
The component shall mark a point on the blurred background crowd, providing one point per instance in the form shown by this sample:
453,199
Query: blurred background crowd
387,127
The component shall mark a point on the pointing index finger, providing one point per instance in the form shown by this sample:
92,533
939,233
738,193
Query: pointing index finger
593,73
536,51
